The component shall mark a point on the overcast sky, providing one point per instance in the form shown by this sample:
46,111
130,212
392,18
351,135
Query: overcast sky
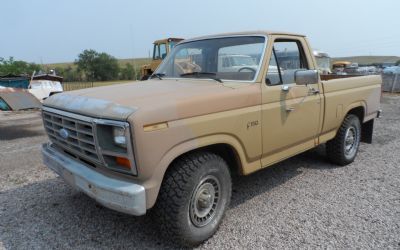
57,31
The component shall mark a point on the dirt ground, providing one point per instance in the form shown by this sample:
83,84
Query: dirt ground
303,202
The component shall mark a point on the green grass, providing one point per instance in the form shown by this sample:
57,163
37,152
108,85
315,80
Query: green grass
68,86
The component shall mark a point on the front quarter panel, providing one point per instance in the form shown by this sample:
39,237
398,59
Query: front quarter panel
240,128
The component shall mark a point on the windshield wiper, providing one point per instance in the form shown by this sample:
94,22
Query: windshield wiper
200,74
158,75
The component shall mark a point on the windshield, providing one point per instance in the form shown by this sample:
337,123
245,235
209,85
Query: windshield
228,58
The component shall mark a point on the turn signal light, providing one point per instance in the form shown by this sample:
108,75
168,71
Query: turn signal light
123,162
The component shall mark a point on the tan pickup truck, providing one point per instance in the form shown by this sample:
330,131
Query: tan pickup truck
171,144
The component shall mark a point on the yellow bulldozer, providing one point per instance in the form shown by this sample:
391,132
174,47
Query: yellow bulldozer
161,49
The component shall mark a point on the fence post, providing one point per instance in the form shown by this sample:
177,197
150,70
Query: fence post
394,82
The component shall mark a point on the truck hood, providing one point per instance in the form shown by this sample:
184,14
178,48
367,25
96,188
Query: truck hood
157,100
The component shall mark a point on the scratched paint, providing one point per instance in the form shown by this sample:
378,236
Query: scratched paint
90,106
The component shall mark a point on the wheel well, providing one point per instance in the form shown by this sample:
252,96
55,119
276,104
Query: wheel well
359,112
225,151
367,127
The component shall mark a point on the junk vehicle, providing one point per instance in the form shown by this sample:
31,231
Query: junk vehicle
344,68
40,86
323,61
15,95
14,99
160,51
172,143
44,85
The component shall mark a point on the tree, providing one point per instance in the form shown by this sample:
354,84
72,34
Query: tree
68,73
11,66
97,66
128,72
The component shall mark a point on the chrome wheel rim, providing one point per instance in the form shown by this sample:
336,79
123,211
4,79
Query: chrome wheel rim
350,141
204,201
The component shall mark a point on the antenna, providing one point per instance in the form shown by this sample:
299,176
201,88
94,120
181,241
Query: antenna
33,74
133,49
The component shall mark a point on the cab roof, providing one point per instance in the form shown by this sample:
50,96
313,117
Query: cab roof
175,39
244,33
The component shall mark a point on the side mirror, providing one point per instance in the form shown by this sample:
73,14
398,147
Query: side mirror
304,77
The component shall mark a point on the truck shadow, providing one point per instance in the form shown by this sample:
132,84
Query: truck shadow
50,214
263,181
13,132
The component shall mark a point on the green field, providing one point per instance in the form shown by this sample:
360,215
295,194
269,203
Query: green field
68,86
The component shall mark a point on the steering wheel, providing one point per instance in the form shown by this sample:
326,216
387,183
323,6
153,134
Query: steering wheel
247,68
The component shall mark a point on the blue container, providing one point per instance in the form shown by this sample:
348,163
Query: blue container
11,81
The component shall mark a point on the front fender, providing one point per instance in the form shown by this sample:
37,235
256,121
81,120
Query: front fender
154,183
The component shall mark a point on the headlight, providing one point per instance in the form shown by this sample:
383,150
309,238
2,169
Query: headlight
119,136
115,146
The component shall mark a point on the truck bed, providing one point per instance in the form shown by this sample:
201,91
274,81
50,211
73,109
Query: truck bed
343,93
333,76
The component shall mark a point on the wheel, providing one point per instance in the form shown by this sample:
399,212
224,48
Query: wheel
343,148
193,198
145,77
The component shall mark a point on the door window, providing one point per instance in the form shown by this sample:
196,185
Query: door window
287,57
163,50
160,51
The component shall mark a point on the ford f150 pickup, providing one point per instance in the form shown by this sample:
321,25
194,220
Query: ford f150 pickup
171,143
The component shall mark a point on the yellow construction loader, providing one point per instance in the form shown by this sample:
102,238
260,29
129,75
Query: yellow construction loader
161,49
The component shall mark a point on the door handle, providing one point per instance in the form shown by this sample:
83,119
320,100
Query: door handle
314,91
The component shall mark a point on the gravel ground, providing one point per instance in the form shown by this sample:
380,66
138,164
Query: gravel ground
303,202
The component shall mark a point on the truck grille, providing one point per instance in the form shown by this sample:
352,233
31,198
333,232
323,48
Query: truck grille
73,135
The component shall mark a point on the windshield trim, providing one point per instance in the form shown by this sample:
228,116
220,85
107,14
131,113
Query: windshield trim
256,75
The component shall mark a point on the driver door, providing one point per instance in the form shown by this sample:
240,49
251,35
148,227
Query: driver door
290,112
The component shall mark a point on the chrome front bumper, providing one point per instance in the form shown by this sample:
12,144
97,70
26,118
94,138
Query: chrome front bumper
116,194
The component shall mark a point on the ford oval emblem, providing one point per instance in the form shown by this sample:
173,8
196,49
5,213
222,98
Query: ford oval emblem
63,133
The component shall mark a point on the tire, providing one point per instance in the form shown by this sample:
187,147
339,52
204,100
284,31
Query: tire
145,77
187,209
340,151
